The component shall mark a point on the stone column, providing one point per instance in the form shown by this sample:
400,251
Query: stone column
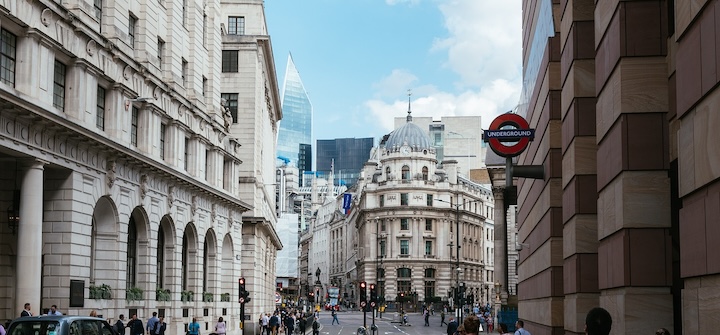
29,253
501,253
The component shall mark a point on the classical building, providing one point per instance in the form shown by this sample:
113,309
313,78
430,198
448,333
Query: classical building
624,98
410,217
120,160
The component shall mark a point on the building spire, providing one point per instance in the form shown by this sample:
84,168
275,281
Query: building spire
409,116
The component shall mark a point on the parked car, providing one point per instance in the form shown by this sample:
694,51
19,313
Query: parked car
59,325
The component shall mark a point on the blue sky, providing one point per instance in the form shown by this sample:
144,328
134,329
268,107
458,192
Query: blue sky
358,58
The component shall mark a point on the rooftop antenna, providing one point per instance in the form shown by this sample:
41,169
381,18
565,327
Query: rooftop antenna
409,117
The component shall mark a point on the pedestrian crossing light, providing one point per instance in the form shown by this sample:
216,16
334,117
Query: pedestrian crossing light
373,293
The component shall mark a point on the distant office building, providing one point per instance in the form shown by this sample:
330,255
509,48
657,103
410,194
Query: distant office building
305,158
296,125
349,155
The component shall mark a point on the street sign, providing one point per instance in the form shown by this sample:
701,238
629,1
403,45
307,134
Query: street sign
363,304
242,300
496,136
372,304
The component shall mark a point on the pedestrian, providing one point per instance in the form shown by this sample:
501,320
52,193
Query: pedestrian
471,324
662,331
120,325
598,322
274,323
289,324
161,326
442,318
490,323
221,327
519,324
452,326
502,329
2,330
135,325
151,323
53,310
426,314
334,316
93,313
302,324
265,321
26,311
194,327
316,326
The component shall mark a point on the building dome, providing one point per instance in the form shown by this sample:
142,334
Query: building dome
409,134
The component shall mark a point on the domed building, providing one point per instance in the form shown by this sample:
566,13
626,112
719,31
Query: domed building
407,215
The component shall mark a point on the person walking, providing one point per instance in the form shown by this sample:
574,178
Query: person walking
274,323
302,324
316,326
135,325
598,322
220,327
152,322
452,326
502,329
265,321
53,310
426,314
442,318
519,324
334,316
120,325
194,327
161,326
26,310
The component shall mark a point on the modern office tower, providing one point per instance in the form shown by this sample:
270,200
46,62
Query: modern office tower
305,160
345,156
296,125
120,159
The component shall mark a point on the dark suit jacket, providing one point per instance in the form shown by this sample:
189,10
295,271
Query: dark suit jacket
25,313
452,327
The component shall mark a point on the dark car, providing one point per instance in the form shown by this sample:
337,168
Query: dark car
59,325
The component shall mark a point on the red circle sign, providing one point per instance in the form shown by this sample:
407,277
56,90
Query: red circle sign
509,119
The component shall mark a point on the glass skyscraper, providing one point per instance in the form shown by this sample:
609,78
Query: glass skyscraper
349,156
296,124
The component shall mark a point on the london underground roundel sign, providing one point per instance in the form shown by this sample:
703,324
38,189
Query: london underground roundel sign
512,129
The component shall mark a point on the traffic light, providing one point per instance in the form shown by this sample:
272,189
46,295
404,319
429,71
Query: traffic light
244,295
373,293
363,291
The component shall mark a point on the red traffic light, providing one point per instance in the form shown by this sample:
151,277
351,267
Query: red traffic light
363,284
241,280
372,286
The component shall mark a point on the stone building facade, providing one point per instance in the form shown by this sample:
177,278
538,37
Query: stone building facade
623,96
406,218
120,165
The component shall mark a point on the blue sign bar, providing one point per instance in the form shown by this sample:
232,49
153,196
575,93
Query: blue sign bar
508,135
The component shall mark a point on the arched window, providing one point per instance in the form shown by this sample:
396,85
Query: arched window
405,172
130,276
425,173
184,272
387,172
206,267
160,279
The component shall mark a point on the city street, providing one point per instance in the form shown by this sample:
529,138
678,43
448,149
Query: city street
351,321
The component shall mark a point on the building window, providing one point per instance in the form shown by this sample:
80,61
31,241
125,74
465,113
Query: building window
132,24
404,199
429,289
405,172
206,263
230,60
134,126
207,164
428,248
429,273
425,173
97,5
59,86
185,72
404,247
383,227
187,153
130,275
160,52
404,273
383,246
163,131
184,12
428,224
227,173
382,200
204,89
100,108
204,31
184,263
7,57
236,25
404,224
160,260
231,102
387,173
429,199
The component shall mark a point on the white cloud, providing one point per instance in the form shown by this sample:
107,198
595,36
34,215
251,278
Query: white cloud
483,48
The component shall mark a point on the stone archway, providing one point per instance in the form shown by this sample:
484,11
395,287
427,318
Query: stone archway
227,266
104,243
137,252
165,258
210,266
189,263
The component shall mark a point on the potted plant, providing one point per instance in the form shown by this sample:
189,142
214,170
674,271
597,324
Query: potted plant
207,297
225,297
162,294
100,292
187,296
134,294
